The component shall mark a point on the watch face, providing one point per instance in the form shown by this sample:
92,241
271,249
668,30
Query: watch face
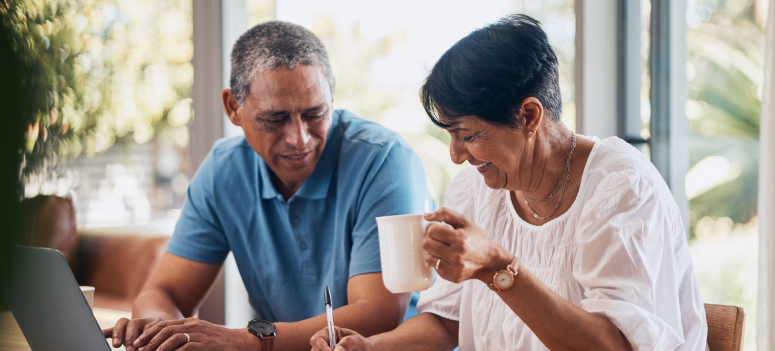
262,327
503,279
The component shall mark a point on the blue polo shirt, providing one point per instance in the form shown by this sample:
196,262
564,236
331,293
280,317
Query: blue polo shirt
326,233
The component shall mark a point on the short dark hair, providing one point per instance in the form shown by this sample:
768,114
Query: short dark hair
270,45
491,71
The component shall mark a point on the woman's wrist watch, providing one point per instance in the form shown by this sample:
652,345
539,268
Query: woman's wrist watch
264,330
504,279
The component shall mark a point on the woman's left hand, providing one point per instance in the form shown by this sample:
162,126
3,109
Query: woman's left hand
464,249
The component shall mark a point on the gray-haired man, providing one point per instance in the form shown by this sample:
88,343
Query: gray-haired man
294,199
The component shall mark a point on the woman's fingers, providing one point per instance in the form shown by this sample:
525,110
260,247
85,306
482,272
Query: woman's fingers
448,216
442,232
437,248
433,261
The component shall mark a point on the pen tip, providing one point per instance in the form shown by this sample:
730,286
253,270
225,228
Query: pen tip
327,295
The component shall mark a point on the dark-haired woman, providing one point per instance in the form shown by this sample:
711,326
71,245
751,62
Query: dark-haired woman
555,240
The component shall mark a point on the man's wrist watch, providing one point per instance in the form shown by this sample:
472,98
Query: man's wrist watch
265,331
504,279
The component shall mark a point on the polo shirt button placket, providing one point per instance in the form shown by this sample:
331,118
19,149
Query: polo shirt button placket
303,245
296,220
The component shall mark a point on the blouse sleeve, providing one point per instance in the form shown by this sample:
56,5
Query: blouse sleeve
627,261
444,297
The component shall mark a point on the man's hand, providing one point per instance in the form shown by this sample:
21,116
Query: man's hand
175,290
171,335
346,340
126,331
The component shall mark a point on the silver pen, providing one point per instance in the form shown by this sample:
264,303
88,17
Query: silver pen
330,319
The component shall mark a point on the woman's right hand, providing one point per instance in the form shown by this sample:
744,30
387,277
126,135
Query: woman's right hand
126,331
347,340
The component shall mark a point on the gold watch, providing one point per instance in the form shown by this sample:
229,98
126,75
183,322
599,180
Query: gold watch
504,279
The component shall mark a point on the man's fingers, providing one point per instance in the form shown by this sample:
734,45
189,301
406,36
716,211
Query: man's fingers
133,330
165,334
151,332
342,332
448,216
107,333
118,332
150,324
346,344
319,343
193,346
172,342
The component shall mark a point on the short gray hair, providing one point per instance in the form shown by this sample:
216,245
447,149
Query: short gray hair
269,45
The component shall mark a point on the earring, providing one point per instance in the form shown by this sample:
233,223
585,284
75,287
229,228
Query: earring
530,133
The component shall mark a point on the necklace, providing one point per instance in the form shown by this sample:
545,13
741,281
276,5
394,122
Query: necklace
565,186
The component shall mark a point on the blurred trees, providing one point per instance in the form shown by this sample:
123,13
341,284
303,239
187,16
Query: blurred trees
97,72
725,64
378,76
725,74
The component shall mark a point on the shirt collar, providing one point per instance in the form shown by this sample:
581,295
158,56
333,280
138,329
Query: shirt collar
317,185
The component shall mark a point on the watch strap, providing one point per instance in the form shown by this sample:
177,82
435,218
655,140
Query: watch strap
267,343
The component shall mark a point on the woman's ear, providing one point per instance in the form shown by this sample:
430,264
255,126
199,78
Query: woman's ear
230,106
532,113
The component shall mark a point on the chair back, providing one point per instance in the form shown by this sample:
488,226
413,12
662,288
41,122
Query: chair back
118,265
725,327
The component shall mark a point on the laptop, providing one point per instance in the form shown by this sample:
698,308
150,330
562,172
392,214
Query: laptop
48,304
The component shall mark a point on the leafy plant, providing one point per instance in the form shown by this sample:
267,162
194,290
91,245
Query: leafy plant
725,78
97,72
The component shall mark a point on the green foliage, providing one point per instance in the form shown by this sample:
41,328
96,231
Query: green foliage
725,71
99,71
44,43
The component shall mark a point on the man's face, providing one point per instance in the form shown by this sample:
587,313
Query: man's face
286,119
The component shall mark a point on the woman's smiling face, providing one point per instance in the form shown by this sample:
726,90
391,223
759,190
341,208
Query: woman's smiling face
497,151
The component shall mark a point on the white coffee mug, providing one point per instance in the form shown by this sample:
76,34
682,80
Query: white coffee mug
88,293
401,253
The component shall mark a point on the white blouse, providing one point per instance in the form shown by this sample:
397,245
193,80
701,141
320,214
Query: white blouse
620,251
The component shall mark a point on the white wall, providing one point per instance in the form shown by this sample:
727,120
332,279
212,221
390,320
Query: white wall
597,58
217,25
238,311
766,309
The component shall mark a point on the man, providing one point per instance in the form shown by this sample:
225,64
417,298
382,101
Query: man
295,200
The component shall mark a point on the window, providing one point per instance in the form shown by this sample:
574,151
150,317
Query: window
381,53
724,72
725,41
134,64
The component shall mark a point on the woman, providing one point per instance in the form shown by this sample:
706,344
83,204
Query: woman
554,240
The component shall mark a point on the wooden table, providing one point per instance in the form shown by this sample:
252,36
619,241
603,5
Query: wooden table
12,339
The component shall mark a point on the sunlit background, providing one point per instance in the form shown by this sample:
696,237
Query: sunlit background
116,134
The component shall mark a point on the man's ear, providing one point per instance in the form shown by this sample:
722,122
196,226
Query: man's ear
532,113
230,106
